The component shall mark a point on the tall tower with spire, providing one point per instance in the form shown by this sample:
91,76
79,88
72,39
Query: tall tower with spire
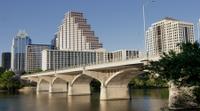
18,50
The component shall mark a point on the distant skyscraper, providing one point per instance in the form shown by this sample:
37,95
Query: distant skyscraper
198,27
166,34
54,42
6,60
33,59
18,51
75,34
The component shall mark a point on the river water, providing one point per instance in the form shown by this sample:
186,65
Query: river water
141,100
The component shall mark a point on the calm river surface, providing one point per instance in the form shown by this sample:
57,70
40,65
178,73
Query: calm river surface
142,100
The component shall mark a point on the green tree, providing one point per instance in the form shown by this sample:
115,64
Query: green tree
182,69
2,70
8,81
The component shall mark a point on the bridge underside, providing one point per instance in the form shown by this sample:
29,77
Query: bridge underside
59,85
114,82
80,85
43,86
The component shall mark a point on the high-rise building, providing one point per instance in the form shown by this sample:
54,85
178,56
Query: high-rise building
165,35
18,51
121,55
6,60
55,42
75,33
58,59
33,60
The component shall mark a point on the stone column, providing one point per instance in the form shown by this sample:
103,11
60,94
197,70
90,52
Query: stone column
114,92
58,88
79,89
43,86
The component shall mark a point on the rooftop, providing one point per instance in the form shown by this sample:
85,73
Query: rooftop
170,18
22,34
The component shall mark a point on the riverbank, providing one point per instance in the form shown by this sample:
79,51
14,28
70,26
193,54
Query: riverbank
27,89
2,91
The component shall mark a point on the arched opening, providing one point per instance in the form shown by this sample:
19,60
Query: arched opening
123,78
43,86
95,86
80,85
59,85
84,85
116,86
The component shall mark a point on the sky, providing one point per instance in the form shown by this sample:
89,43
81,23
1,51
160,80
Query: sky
117,23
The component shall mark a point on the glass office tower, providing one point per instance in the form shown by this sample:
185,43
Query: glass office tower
18,51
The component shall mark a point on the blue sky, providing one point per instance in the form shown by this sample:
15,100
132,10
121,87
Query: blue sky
117,23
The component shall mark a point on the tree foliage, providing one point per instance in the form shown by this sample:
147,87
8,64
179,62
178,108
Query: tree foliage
147,81
8,81
182,68
2,70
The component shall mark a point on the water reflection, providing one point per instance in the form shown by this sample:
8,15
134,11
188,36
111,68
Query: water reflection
115,105
79,103
142,100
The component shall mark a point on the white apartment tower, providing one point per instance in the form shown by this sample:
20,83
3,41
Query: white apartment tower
165,35
75,34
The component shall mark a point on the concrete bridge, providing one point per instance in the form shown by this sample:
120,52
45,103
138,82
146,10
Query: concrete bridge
114,78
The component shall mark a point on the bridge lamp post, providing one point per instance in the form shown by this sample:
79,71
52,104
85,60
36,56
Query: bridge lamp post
144,23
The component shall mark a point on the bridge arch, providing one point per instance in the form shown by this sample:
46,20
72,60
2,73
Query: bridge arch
123,77
81,79
59,85
43,85
116,86
80,85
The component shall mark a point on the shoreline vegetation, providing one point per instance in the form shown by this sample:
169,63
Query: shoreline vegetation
182,73
9,82
147,81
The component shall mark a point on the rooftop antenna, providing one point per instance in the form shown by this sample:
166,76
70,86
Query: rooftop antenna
144,26
198,31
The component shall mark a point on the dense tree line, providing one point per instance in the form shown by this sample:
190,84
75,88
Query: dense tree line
8,80
147,80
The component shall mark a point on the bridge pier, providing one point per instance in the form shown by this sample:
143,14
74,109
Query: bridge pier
58,86
114,92
79,89
43,86
114,84
80,85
